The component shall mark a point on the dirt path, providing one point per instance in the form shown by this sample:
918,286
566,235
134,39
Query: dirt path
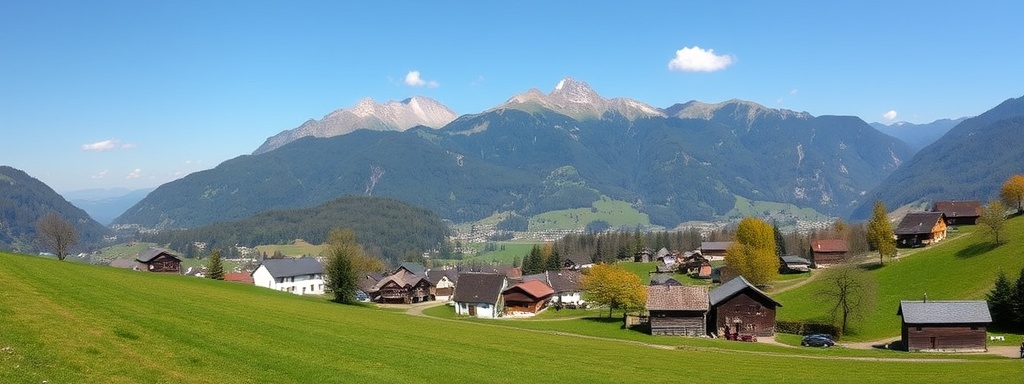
417,309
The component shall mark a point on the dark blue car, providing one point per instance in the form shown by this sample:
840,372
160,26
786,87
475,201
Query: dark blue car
817,340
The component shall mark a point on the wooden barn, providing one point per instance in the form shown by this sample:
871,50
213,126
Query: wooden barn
959,212
826,252
527,298
677,310
158,260
920,228
402,287
714,250
740,311
945,326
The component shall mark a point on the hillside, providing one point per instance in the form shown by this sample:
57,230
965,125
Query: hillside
961,268
185,330
918,136
386,228
24,200
970,162
673,168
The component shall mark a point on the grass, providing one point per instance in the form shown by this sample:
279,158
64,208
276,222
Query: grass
619,214
124,250
297,248
512,250
68,322
964,267
644,271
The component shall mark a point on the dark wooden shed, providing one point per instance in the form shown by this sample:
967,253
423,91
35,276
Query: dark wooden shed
739,310
158,260
945,326
677,310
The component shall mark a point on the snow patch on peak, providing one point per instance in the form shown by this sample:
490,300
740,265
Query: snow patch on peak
560,84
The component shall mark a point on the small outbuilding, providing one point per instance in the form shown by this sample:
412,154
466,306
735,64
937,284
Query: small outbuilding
158,260
527,298
959,212
714,250
677,310
825,252
945,326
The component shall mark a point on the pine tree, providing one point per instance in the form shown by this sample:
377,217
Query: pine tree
1000,303
780,242
1018,303
554,262
214,266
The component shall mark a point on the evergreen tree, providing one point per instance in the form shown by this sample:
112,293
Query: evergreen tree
533,262
1018,303
214,266
780,242
1000,303
554,262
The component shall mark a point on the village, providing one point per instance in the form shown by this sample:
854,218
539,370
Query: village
729,307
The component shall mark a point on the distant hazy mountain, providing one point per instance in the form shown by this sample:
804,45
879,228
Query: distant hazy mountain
970,162
539,152
918,136
367,114
105,205
24,200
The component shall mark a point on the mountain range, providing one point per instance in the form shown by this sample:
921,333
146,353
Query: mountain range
540,152
104,205
918,136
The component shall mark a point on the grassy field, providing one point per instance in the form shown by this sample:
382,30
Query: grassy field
616,213
297,248
964,267
68,322
785,214
507,255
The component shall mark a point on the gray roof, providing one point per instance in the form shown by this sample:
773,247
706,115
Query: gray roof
944,312
715,245
415,268
734,287
664,279
289,267
475,287
434,275
795,260
146,255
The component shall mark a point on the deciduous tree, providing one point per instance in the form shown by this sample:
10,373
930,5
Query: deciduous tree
614,287
214,266
346,261
56,234
850,293
992,218
752,253
1012,192
880,233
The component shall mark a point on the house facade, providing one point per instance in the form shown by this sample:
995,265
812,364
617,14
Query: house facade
442,283
402,287
920,229
714,250
740,311
158,260
959,212
301,276
944,326
479,294
677,310
825,252
526,298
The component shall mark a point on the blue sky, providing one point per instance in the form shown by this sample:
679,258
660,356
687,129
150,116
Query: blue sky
101,94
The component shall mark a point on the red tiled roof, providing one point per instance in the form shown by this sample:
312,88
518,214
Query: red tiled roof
829,245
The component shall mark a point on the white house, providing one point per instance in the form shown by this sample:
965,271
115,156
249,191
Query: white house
479,294
302,276
566,284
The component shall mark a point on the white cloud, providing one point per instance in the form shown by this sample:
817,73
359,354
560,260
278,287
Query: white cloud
134,174
413,79
107,145
100,175
696,59
794,91
889,115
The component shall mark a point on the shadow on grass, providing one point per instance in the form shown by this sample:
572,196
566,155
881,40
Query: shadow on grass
975,250
871,266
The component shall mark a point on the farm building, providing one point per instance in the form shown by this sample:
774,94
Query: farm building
714,250
158,260
944,326
663,279
442,283
527,298
825,252
677,310
920,228
577,261
402,287
793,264
740,311
301,276
565,283
959,212
479,294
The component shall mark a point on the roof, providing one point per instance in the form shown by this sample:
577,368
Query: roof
663,278
289,267
147,255
402,277
475,287
415,268
677,298
795,260
123,263
958,208
580,259
434,276
734,287
564,280
829,245
944,312
917,223
715,245
241,277
535,288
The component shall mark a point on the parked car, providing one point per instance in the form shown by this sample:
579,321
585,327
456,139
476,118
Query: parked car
817,340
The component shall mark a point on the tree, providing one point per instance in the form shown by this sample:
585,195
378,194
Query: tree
752,253
1000,303
1018,303
56,234
992,218
214,266
780,242
614,287
554,261
344,256
850,292
534,262
1012,192
880,234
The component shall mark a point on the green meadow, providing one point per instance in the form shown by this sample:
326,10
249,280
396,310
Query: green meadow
67,322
